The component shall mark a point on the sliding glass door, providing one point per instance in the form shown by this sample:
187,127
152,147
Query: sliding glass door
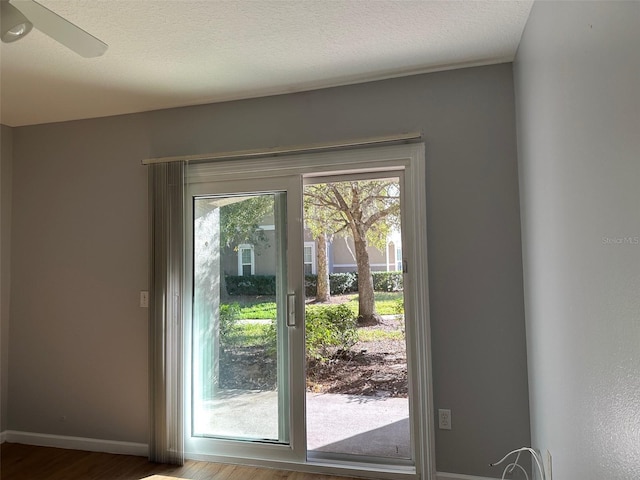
244,249
307,332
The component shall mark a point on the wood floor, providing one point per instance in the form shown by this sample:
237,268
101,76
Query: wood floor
22,462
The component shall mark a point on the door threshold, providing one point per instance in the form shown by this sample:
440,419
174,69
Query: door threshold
364,468
345,468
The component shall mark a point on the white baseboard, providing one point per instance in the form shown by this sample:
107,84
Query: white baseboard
459,476
76,443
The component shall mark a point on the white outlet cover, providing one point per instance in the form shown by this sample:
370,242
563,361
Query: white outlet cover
444,419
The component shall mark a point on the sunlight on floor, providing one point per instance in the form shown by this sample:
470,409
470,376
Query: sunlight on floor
163,477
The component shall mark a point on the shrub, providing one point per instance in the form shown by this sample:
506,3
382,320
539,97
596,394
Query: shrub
251,285
234,333
387,281
328,327
339,284
229,327
310,285
271,340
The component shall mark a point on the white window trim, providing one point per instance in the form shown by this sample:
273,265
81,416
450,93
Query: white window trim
314,268
241,247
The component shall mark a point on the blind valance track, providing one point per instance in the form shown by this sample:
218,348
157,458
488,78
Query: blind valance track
293,149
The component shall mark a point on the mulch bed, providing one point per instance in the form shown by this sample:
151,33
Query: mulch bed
377,368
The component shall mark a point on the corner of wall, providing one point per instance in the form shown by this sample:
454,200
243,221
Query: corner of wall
577,107
6,162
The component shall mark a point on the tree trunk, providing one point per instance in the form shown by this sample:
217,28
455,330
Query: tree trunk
366,301
323,291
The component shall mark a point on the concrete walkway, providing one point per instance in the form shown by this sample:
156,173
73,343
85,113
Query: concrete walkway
347,424
358,424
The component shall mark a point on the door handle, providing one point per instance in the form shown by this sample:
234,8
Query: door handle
291,310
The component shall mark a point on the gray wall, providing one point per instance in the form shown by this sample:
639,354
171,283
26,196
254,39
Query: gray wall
577,81
6,157
79,339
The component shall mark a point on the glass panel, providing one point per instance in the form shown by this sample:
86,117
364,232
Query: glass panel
238,323
357,383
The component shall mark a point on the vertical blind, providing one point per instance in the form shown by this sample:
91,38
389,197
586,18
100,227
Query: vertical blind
166,188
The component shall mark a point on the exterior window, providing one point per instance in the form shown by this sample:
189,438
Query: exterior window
309,258
399,259
246,260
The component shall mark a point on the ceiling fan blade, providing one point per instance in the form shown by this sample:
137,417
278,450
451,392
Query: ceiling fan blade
60,29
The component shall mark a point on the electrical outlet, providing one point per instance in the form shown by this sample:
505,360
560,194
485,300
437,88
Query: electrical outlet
444,419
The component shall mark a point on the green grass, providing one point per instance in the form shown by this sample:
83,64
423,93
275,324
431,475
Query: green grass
250,334
373,335
386,296
260,311
254,334
387,303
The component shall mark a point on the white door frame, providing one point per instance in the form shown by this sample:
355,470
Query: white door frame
410,159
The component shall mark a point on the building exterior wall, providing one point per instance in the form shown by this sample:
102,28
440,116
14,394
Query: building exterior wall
342,259
339,252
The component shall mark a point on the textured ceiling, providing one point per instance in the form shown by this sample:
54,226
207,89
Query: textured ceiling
175,53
